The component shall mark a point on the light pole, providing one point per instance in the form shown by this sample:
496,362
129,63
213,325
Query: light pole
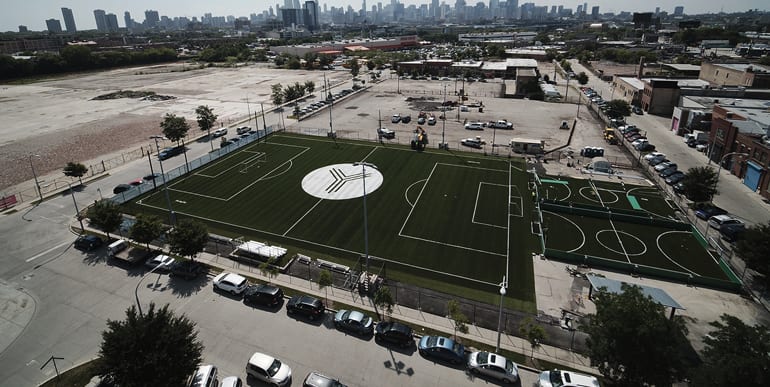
171,217
77,211
503,285
37,183
366,227
443,121
136,290
720,166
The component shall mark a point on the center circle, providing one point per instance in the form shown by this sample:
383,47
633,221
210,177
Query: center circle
641,248
342,181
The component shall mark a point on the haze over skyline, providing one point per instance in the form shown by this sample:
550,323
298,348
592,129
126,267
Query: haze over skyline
33,13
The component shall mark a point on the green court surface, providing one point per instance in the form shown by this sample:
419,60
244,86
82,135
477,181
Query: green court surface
451,221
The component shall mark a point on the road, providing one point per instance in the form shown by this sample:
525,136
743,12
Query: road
68,296
732,195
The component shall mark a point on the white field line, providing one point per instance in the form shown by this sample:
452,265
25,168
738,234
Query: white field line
476,204
406,192
303,216
401,231
657,242
617,234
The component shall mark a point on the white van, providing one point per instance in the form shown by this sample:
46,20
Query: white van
205,376
117,246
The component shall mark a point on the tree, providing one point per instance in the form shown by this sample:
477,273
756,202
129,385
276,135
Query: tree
309,87
459,319
735,355
370,65
354,66
174,128
325,280
269,269
566,65
631,340
754,248
154,349
188,238
277,94
77,57
384,300
700,184
75,170
582,78
206,118
618,107
533,332
146,229
105,215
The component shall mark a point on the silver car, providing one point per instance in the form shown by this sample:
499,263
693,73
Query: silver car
493,365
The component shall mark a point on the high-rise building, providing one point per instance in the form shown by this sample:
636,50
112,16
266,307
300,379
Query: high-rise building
101,22
595,12
311,15
53,25
111,22
579,10
678,11
69,20
494,8
23,29
151,18
127,19
585,8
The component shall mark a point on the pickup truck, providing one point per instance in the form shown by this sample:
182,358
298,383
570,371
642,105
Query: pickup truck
473,142
502,124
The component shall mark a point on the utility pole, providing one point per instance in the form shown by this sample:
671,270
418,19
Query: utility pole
443,121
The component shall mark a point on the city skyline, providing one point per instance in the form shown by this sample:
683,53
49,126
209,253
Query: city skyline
34,13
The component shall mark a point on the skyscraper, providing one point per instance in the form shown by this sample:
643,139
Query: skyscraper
128,21
53,25
678,11
69,20
595,12
111,22
101,22
151,18
311,15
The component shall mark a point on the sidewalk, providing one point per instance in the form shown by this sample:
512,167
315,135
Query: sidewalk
416,317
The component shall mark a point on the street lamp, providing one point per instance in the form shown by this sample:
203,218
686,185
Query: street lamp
366,228
443,121
720,165
77,212
502,285
136,290
37,183
171,216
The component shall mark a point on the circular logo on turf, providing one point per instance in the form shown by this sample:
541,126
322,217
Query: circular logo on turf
342,181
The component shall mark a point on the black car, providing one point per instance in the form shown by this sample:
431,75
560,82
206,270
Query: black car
668,172
170,152
186,269
675,178
267,295
646,147
679,188
732,232
406,119
392,332
706,211
88,242
121,188
307,306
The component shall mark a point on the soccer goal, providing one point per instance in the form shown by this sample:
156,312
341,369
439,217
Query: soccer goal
253,162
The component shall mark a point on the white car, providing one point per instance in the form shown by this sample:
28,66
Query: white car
653,155
473,142
474,126
666,165
639,141
431,120
231,282
565,378
220,132
161,263
493,365
386,133
717,221
396,118
268,369
231,381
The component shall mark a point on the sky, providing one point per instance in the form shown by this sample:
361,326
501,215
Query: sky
33,13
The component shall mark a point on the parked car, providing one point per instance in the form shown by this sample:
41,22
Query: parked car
706,211
557,378
639,141
406,119
431,120
473,142
161,263
268,370
307,306
230,282
315,379
646,147
675,178
231,381
474,126
186,269
658,160
151,177
171,152
493,365
386,133
653,155
637,110
665,165
121,188
220,132
717,221
396,118
262,294
668,172
88,242
354,321
732,232
679,188
442,348
393,332
421,121
205,376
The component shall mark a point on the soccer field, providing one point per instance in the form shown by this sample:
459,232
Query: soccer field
447,220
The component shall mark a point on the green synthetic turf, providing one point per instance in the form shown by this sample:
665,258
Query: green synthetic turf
436,212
